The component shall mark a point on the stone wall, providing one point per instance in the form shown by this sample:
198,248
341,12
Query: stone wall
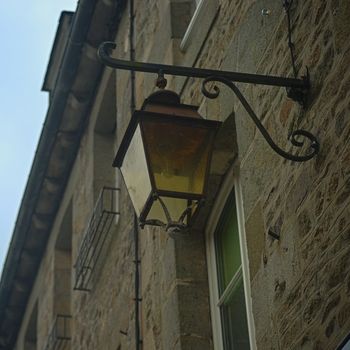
305,299
300,284
299,288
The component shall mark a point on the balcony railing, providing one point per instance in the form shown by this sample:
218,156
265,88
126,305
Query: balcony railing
95,237
60,333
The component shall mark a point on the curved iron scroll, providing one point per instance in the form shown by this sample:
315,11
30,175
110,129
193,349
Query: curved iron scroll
314,145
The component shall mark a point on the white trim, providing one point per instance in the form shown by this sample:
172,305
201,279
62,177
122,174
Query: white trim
231,180
245,263
214,293
220,201
211,259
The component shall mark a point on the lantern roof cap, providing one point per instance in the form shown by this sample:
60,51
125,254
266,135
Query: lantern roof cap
167,97
163,106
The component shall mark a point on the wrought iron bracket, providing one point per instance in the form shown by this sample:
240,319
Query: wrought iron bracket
296,90
299,94
106,48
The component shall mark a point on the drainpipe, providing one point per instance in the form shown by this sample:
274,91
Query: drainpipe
137,261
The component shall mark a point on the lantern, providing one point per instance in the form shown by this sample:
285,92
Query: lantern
164,158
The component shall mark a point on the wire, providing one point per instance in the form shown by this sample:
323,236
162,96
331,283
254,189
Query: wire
287,4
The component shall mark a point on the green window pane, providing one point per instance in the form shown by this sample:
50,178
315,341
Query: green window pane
234,319
230,281
227,244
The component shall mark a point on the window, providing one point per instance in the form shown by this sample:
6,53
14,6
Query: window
181,14
345,345
199,25
63,265
190,22
230,281
96,238
59,333
228,276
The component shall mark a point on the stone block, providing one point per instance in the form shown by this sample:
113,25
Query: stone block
255,233
193,306
170,322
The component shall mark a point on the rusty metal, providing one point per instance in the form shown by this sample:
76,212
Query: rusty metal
287,4
173,226
294,137
94,238
105,49
296,90
161,81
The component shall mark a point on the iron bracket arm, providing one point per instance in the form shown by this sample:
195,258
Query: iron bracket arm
105,49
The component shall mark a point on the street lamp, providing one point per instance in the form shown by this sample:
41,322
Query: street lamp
164,158
165,154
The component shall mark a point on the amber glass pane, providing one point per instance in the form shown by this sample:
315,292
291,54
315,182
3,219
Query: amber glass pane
135,172
178,155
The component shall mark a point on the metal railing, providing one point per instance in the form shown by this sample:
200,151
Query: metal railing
94,237
60,333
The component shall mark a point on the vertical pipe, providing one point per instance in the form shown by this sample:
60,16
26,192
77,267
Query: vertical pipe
138,340
132,54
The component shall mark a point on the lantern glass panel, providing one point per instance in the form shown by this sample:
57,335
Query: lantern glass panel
177,154
135,172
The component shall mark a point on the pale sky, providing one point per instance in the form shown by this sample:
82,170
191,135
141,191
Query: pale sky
27,31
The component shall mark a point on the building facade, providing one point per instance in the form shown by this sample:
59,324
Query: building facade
265,264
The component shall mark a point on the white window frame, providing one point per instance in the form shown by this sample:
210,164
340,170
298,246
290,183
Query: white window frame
231,180
200,23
